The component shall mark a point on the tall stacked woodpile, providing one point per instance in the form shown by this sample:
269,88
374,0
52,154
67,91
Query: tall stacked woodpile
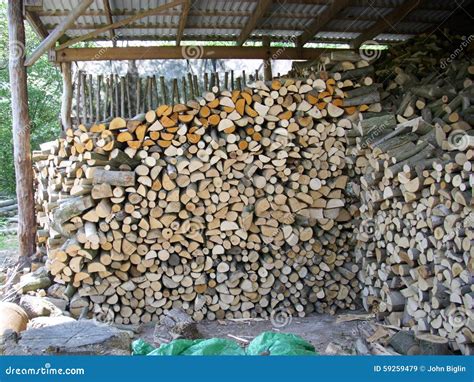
416,231
230,205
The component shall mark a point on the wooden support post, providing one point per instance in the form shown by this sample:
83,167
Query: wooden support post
91,98
21,132
128,82
66,101
206,82
138,95
191,87
98,97
116,88
196,85
154,93
163,89
78,97
267,63
122,97
82,78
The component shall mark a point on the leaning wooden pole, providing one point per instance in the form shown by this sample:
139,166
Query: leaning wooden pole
21,130
66,101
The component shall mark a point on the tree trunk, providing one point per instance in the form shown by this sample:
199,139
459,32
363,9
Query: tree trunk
21,130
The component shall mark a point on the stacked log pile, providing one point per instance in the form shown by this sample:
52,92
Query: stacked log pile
231,205
8,216
416,233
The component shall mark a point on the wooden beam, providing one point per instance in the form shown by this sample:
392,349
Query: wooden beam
262,7
33,5
331,11
49,41
66,101
21,131
108,15
36,23
120,23
174,52
267,63
387,22
182,21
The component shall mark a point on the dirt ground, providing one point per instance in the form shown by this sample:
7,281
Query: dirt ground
318,329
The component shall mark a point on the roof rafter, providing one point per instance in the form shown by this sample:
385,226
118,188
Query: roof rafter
120,23
321,20
389,21
31,7
182,21
36,23
54,36
108,15
262,7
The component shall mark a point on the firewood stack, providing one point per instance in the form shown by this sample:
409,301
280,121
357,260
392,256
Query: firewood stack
416,231
231,205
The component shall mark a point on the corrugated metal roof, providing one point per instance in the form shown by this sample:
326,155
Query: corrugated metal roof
225,19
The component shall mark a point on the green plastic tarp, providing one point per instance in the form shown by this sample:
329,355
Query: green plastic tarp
271,343
267,343
212,346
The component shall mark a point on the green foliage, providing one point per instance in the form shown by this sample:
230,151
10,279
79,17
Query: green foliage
44,90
